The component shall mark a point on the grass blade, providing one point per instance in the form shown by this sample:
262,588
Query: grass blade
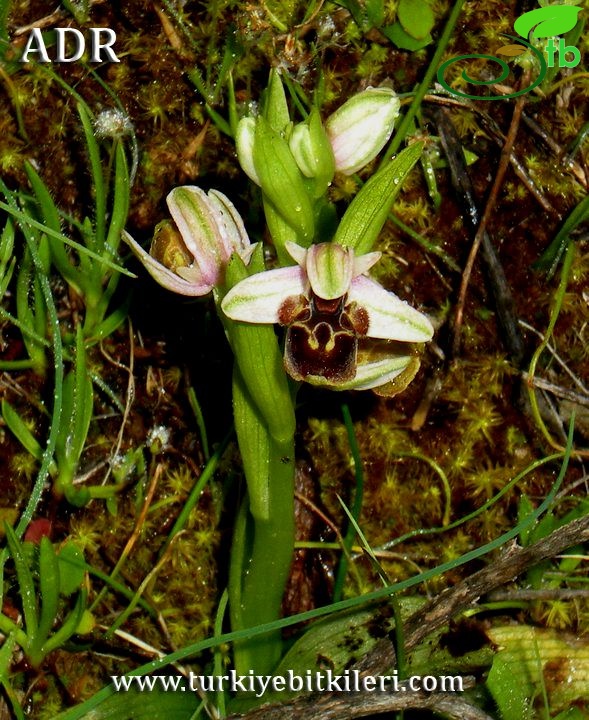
25,581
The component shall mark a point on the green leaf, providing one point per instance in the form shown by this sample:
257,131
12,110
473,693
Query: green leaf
120,203
26,220
281,233
110,323
49,586
524,508
71,568
22,433
133,703
259,359
7,259
77,413
416,18
254,447
44,199
368,211
216,117
30,310
548,21
98,236
51,219
25,581
375,11
551,257
512,693
358,12
281,180
397,35
6,652
533,659
68,627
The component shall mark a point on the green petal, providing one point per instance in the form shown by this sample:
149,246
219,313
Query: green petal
330,270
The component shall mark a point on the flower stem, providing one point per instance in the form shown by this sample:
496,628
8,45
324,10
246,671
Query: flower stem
264,535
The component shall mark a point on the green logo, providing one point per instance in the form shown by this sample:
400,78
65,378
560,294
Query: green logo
544,22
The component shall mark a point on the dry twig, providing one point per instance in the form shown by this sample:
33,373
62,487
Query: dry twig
433,615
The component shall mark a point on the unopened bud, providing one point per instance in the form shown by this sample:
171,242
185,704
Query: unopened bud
359,129
312,151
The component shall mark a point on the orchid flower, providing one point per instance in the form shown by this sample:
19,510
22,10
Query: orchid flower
190,259
328,305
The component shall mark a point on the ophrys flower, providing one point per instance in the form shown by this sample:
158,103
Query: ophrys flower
328,304
190,259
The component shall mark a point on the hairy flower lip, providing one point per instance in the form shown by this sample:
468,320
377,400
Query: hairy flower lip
211,230
305,297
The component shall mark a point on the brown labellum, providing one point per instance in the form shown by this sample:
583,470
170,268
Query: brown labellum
322,337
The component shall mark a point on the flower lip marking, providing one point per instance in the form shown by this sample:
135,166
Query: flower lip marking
328,304
322,337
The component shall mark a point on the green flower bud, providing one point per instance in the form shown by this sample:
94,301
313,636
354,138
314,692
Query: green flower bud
276,107
312,151
359,129
281,180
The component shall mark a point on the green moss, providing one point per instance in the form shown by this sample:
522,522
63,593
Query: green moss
472,428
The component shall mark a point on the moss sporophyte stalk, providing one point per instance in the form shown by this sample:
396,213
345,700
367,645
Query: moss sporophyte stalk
343,329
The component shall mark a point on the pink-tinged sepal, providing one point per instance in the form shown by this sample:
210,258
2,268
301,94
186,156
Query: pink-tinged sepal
169,279
230,225
190,258
197,218
258,298
389,317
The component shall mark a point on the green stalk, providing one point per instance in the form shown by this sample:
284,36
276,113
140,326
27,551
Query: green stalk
264,537
263,541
